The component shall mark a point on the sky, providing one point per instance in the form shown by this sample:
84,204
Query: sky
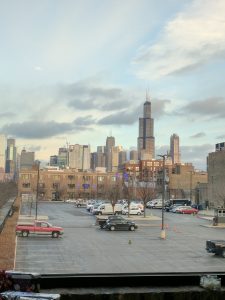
77,71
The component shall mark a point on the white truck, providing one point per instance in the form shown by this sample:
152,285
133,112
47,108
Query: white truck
107,209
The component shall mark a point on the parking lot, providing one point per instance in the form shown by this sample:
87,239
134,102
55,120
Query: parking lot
84,248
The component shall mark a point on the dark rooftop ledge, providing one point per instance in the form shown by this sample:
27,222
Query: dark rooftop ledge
150,280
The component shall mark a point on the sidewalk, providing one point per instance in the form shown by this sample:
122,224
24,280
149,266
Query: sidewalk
209,215
206,214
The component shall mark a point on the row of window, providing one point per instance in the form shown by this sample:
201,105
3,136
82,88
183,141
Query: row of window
57,185
70,177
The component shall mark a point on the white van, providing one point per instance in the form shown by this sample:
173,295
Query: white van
155,203
107,209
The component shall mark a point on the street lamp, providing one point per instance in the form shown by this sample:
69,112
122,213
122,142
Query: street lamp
36,204
163,232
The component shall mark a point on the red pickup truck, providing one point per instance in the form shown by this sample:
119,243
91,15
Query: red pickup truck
38,228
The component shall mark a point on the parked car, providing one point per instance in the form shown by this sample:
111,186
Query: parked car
107,209
91,203
177,209
216,246
70,201
81,203
173,208
133,211
156,203
188,210
101,221
94,208
38,228
120,224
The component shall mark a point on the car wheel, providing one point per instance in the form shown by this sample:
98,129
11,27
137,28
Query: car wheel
25,233
132,228
116,213
223,253
138,213
112,228
55,234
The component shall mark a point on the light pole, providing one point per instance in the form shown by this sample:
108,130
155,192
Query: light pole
38,175
163,232
191,173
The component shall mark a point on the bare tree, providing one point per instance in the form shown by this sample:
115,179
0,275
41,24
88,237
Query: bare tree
114,193
127,194
61,191
146,192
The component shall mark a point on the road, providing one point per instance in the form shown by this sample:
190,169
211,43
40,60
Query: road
84,248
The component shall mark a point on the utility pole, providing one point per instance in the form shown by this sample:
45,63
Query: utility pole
163,232
38,175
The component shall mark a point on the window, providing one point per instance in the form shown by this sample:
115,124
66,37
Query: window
55,185
26,185
25,176
71,186
56,177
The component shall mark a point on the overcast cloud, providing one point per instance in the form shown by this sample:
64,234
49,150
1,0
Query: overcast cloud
87,74
194,37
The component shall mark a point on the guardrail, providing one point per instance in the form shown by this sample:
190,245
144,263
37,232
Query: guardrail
6,211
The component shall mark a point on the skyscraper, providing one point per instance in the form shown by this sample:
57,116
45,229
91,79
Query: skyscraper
110,142
79,157
133,155
175,148
146,139
11,156
2,152
26,159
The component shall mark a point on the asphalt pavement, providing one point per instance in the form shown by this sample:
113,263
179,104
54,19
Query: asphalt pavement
84,248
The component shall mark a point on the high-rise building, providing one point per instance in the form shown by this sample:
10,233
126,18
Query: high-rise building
216,175
175,149
63,157
2,152
115,158
122,157
133,155
101,156
80,157
110,142
146,139
10,156
53,160
26,159
220,146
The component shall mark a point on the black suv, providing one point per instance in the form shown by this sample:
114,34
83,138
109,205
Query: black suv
120,224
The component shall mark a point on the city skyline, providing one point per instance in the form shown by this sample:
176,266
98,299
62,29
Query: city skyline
81,74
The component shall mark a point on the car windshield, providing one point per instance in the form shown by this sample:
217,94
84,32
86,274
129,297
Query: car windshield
114,102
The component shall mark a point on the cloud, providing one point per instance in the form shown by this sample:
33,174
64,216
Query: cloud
192,38
41,130
198,135
120,118
132,115
84,121
212,107
38,68
92,94
7,115
196,154
221,136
